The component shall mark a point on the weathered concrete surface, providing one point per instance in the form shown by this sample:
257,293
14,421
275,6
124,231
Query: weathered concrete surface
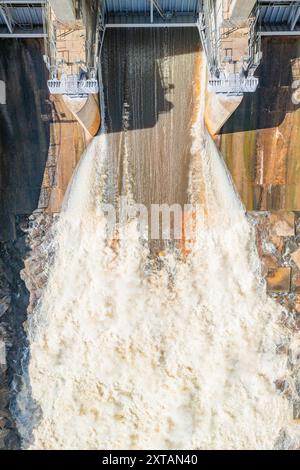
71,53
261,141
278,244
24,130
296,258
14,300
64,11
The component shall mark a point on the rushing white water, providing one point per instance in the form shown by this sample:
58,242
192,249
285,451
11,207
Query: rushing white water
129,353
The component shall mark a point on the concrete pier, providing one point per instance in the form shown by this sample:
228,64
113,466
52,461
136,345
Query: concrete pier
218,110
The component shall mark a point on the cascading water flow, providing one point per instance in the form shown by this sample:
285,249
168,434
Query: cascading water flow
130,349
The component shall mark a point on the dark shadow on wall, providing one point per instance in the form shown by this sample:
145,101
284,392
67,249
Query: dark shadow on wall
268,107
24,142
24,130
133,75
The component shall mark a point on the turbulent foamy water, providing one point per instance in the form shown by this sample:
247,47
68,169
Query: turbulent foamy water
129,350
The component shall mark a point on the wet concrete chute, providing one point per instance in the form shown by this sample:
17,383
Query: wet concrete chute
150,225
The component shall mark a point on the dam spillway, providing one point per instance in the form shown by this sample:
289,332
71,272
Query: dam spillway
127,336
